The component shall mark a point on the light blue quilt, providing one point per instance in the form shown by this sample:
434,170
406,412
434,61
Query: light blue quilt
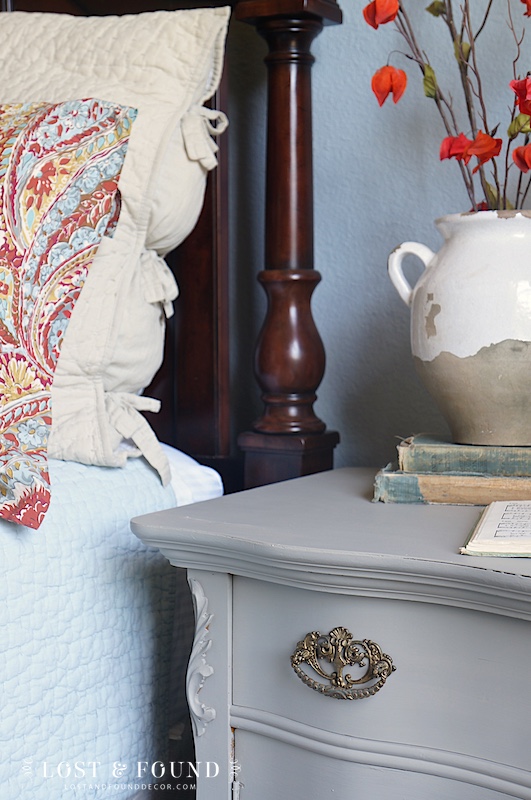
86,620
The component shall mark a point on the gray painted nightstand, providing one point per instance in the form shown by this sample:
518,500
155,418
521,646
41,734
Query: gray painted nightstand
270,566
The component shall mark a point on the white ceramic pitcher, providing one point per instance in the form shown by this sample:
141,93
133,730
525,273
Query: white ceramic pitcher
471,324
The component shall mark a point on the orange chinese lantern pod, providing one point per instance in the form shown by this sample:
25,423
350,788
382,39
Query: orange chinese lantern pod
522,157
484,147
389,80
522,90
381,11
455,147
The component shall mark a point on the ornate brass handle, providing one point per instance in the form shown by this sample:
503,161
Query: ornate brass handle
340,649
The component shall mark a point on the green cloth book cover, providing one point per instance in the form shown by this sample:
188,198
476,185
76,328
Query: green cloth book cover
433,454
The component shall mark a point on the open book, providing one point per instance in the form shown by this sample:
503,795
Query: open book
504,529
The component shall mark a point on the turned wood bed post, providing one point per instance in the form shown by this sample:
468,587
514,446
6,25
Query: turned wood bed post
289,439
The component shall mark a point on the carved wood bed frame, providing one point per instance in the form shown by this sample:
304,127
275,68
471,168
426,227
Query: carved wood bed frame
288,440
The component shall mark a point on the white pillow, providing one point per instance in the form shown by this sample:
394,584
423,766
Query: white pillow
166,64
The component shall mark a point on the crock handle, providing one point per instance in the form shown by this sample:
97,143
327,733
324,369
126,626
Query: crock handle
396,273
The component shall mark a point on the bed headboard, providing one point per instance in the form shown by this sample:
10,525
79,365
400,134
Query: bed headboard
288,440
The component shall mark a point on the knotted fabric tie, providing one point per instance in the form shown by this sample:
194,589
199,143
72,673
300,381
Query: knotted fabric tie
158,281
123,409
198,126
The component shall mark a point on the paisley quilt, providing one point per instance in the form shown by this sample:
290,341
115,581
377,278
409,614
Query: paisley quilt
59,169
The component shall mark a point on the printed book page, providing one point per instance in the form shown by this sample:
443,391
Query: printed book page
504,528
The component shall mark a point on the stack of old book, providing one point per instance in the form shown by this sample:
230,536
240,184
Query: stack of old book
432,470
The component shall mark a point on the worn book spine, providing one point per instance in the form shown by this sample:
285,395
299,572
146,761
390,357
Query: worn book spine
428,454
395,486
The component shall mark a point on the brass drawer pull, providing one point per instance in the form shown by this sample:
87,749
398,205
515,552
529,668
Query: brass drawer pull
340,649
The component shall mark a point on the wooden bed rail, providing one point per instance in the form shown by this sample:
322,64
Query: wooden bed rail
288,440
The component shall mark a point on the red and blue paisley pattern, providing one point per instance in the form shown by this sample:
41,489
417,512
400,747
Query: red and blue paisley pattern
59,170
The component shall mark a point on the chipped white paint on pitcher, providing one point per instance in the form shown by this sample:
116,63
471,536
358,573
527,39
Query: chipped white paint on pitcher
471,323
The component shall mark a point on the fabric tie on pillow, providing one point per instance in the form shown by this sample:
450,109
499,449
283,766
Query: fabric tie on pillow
59,170
123,409
160,285
198,125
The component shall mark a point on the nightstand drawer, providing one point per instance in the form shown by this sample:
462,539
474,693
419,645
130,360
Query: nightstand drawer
443,657
276,768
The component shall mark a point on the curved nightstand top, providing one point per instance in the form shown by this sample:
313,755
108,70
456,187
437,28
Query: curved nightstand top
323,532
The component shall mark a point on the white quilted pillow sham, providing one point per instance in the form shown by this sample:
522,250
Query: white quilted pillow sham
166,64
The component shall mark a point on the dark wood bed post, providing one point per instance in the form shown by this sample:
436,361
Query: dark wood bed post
288,440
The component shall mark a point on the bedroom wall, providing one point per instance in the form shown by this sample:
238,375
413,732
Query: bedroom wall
378,181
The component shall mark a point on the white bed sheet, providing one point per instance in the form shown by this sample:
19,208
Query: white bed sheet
86,626
191,482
